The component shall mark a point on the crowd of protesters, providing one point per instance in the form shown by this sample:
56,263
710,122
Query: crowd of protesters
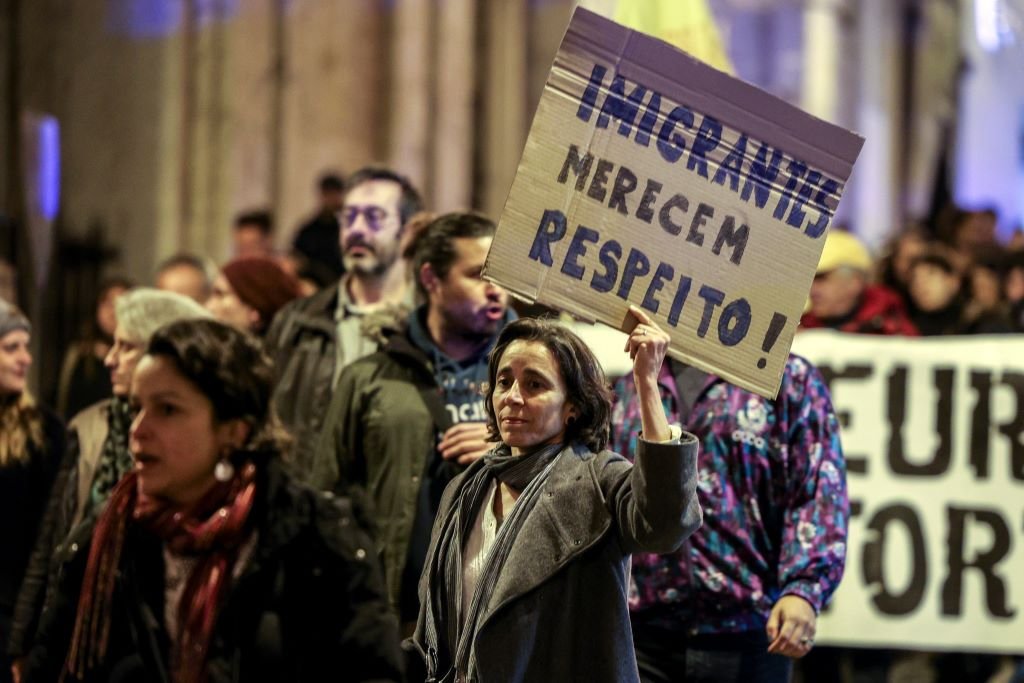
954,279
283,468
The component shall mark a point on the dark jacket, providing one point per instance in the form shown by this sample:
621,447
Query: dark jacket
66,506
84,380
317,241
24,486
308,605
961,317
558,611
380,434
302,343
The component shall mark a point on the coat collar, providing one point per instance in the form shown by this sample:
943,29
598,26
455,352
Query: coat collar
568,520
317,312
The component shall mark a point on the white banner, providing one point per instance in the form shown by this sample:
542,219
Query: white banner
932,432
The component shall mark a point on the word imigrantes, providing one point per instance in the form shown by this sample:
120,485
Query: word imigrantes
751,176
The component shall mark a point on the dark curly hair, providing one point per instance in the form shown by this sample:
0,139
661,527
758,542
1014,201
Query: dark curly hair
585,384
231,369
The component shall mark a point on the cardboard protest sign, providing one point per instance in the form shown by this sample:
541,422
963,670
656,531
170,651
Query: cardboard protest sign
651,178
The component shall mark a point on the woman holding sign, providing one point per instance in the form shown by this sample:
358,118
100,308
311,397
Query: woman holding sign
527,573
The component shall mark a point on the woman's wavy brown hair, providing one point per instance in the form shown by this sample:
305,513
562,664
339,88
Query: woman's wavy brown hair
585,384
21,428
231,369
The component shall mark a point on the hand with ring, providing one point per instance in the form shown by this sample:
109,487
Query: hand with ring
791,627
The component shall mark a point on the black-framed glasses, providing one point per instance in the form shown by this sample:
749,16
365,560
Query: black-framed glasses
374,216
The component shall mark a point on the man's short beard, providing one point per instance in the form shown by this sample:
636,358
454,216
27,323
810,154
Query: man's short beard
472,334
367,267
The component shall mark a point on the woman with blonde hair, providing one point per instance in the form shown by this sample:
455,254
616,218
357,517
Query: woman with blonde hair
31,442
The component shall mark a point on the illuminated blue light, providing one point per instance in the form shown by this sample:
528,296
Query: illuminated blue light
144,18
48,180
162,18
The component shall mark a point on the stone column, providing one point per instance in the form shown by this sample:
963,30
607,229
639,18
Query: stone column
505,119
875,176
821,56
409,116
454,124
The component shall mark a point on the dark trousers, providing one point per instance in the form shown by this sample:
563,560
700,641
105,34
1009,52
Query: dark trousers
669,656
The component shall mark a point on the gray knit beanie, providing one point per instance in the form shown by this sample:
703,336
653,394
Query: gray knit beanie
12,319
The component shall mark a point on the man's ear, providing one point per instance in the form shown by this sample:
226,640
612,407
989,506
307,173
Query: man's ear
428,278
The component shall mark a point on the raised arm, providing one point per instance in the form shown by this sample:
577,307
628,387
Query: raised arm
655,501
647,345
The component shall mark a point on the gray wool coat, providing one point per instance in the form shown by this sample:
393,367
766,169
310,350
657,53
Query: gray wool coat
558,611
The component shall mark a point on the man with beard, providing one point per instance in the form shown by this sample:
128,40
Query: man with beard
406,419
312,339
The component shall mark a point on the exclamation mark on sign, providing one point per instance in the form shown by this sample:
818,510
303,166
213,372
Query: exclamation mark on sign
771,336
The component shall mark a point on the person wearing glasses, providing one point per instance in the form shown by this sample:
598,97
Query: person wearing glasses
312,339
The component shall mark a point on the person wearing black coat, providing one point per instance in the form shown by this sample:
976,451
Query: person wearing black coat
209,563
31,443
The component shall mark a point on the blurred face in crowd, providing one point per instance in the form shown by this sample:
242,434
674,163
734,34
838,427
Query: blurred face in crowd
185,280
250,240
975,232
121,360
175,439
371,225
332,200
105,317
228,308
985,287
15,360
530,400
469,305
1014,285
932,287
908,249
836,293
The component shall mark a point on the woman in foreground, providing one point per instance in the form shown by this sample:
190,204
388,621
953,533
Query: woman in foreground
208,562
527,574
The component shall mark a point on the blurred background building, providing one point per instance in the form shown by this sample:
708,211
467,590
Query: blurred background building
135,129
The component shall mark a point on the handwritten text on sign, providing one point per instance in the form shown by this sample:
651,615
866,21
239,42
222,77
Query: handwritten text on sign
667,184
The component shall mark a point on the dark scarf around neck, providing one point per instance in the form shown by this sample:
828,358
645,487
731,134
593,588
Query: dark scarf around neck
115,458
451,627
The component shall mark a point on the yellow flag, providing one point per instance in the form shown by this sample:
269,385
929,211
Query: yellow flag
687,24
